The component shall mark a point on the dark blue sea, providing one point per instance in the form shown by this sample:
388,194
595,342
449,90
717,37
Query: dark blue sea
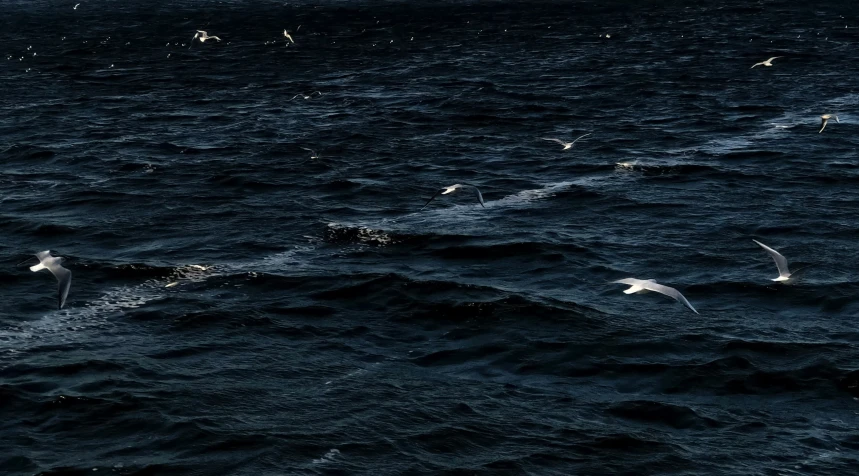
243,306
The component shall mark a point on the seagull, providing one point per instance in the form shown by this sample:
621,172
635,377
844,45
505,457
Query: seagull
313,154
566,145
286,34
824,119
643,285
203,36
767,62
64,276
306,97
76,6
455,187
780,262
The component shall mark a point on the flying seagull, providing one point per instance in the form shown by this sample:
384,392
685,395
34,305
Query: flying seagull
203,36
306,96
767,62
566,145
76,6
64,276
313,154
780,262
286,34
644,285
824,119
455,187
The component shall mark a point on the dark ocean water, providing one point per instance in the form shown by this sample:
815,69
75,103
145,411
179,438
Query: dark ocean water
321,324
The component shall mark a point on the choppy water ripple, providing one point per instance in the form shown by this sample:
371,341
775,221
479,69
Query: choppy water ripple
239,307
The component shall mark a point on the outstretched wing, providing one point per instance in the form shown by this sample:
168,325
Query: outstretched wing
64,277
774,57
780,261
559,141
823,126
577,139
433,197
479,195
670,292
629,281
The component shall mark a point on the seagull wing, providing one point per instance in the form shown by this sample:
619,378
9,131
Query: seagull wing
577,139
774,57
780,261
670,292
433,197
64,277
43,254
756,64
823,124
559,141
479,195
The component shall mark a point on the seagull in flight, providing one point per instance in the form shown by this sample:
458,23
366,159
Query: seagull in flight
76,6
455,187
767,62
644,285
313,154
566,145
306,96
203,36
286,34
824,119
780,262
64,276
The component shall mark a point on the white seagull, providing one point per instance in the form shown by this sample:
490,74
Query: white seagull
64,276
767,62
76,6
453,188
566,145
644,285
286,34
313,154
780,262
306,96
824,119
203,36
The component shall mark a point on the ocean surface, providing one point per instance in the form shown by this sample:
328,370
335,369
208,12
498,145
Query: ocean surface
239,307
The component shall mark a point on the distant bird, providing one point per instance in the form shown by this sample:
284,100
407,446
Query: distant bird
76,6
286,34
455,187
566,145
313,154
642,285
64,276
825,119
780,262
307,96
203,36
767,62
